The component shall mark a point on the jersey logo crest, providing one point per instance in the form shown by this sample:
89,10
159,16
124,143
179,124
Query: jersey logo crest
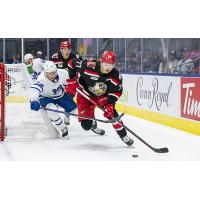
57,90
98,89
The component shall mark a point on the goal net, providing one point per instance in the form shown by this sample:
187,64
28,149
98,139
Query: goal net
17,119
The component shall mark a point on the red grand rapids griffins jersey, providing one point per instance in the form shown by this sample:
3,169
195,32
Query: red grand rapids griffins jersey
94,82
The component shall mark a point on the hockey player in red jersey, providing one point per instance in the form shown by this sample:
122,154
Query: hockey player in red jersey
103,84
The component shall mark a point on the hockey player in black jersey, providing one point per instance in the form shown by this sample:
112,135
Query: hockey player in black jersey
103,84
62,57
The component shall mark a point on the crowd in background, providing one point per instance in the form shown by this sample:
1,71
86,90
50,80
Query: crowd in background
131,57
177,62
15,59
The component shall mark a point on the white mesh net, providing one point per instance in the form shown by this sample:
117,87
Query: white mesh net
20,121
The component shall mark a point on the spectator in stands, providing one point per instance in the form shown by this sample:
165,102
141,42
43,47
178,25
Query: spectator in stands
133,61
147,60
156,63
173,60
185,64
195,55
137,60
18,58
15,60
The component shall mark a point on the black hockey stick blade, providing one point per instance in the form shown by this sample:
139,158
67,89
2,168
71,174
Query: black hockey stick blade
162,150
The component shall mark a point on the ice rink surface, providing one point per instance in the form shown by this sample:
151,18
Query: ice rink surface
87,146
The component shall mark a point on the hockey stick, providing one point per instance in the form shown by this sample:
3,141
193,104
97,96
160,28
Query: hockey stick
85,117
157,150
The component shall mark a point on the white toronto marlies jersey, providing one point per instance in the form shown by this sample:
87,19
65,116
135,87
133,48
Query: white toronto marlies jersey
38,65
44,87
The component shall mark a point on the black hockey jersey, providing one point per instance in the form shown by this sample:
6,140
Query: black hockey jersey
94,82
62,63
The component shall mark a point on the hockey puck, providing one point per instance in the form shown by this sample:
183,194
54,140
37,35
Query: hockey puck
134,155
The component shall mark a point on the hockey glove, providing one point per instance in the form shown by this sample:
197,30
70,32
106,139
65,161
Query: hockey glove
35,105
109,111
71,87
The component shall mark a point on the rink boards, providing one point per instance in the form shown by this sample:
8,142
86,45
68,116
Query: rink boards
170,100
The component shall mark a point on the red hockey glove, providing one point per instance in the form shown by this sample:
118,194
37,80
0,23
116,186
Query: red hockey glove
109,111
71,87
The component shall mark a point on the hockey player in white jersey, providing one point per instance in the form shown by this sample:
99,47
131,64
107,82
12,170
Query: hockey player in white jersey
48,92
34,66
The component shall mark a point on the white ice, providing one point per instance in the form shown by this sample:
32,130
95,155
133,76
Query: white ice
87,146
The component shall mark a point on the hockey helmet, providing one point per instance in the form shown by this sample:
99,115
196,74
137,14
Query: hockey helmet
49,67
65,44
28,56
39,52
108,57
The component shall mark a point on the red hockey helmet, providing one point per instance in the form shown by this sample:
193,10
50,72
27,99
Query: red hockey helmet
65,44
108,57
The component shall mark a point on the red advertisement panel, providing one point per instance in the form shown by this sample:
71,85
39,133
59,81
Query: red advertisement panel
190,98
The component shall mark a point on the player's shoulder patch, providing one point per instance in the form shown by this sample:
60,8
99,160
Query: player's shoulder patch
55,56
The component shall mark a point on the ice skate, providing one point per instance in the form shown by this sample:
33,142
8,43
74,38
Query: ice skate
127,140
97,130
65,133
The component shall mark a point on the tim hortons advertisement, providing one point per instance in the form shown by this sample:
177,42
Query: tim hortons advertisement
190,98
155,93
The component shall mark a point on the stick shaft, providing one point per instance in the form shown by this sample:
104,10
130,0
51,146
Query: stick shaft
73,114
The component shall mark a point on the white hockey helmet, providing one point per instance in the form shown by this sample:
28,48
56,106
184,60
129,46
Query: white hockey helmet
49,67
39,52
28,56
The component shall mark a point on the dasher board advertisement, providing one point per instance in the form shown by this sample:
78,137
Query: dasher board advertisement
190,98
159,94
